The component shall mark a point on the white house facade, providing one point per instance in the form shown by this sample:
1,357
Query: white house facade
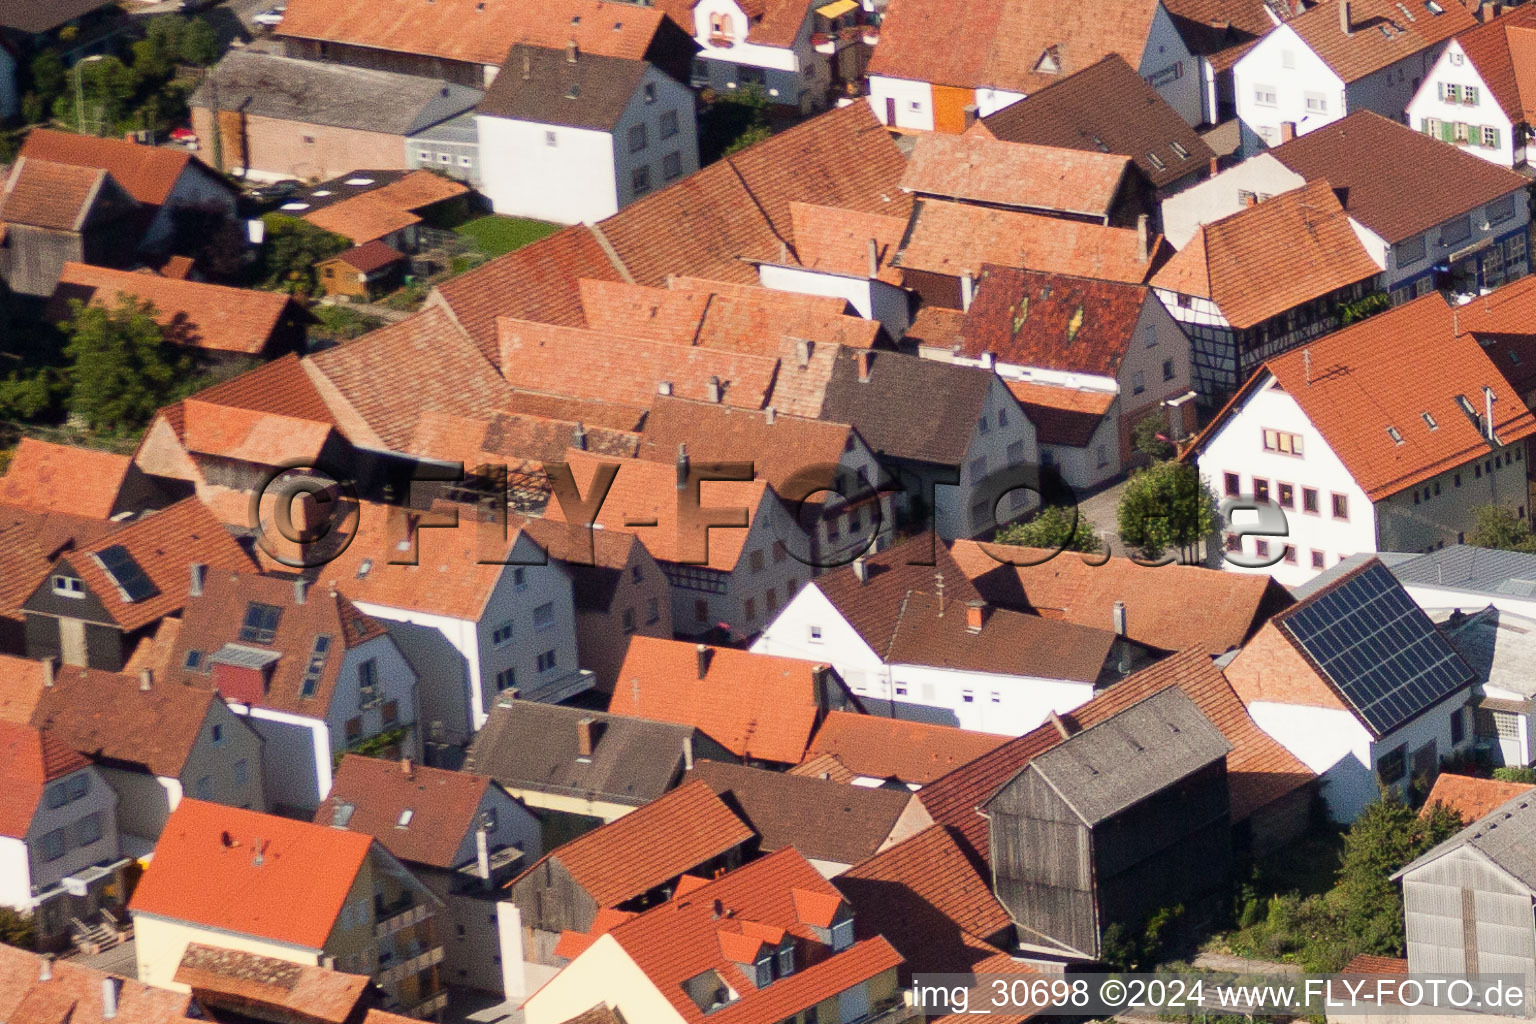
794,69
1455,105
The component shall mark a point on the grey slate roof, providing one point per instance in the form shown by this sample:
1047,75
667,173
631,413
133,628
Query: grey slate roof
1464,567
36,16
527,745
1507,836
283,88
1120,762
910,408
544,86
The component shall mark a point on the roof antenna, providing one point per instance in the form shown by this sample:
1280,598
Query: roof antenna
938,587
1306,358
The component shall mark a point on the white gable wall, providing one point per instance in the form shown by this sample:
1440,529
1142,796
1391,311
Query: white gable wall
1284,67
1221,196
568,182
913,102
789,635
1453,68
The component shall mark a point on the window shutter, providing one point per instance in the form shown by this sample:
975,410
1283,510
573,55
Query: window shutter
1497,138
1440,89
1448,131
1423,126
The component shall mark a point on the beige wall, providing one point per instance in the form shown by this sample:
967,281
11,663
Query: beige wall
572,804
291,149
161,943
603,973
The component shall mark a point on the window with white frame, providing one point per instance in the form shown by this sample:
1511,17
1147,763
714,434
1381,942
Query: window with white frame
1317,103
1282,441
1265,96
68,586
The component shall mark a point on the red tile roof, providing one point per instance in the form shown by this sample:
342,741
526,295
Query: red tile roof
29,760
1380,33
755,705
781,450
443,805
877,747
649,846
1064,416
1384,374
1084,590
44,194
362,219
1259,770
954,239
108,717
280,387
205,316
1270,258
1504,52
1052,321
226,979
977,168
835,240
246,435
1472,798
46,477
232,870
370,256
148,173
23,562
73,995
163,544
21,684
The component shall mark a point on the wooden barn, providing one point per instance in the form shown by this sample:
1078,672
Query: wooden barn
1112,824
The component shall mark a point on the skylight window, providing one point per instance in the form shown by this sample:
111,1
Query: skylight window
1179,151
1156,160
1395,434
1433,8
295,207
1429,421
405,818
358,182
126,573
260,625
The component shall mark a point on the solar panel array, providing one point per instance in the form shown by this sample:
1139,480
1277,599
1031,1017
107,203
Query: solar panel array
126,573
1378,648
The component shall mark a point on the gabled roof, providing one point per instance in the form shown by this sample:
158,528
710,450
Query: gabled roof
147,173
1259,770
1222,31
369,257
468,30
837,240
1052,321
280,387
233,870
1114,765
23,561
34,17
932,630
782,449
977,168
1270,258
1503,52
1381,32
229,980
1390,377
1064,416
650,846
873,607
379,380
877,747
927,897
109,718
529,745
21,686
1487,571
1107,108
1470,797
910,408
1506,836
544,86
29,760
47,477
362,219
1391,178
73,993
442,806
59,197
205,316
1068,586
755,705
162,544
954,239
824,820
1015,45
215,620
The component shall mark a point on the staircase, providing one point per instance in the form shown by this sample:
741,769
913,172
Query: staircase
99,935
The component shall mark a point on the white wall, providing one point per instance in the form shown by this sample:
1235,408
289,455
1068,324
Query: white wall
1266,65
15,873
789,636
1332,743
1453,68
914,101
1215,198
870,298
568,182
1007,442
295,756
1238,447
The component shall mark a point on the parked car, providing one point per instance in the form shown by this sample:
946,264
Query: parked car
184,136
274,192
271,17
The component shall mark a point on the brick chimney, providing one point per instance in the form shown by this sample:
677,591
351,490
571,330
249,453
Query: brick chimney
408,767
975,615
571,51
682,466
1143,242
1288,128
300,590
50,670
866,364
861,569
1345,24
712,390
146,679
588,730
1118,618
199,576
802,353
874,259
970,114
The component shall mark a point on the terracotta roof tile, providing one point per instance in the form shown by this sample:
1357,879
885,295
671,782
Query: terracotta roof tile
443,805
1386,374
936,327
651,845
29,760
591,412
1011,40
57,196
1259,770
1381,34
225,977
1008,643
1364,963
1064,416
1107,108
108,718
873,607
23,562
927,897
361,219
824,766
1393,178
1221,30
370,256
1472,798
46,477
73,995
251,874
206,316
1052,321
1270,258
781,449
1503,51
1084,591
836,240
978,169
21,685
383,376
465,30
591,93
148,173
260,438
163,544
755,705
876,747
954,239
280,387
419,189
993,965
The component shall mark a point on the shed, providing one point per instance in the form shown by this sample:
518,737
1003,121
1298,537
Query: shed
363,272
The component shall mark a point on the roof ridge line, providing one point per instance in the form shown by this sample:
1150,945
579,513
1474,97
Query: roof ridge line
612,253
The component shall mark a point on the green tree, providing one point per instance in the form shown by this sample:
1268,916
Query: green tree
1363,308
99,96
16,928
732,122
1166,505
121,367
1150,437
1387,835
48,74
199,43
292,249
1496,526
1055,528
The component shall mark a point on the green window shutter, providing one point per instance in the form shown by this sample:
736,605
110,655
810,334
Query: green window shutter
1497,137
1447,131
1440,89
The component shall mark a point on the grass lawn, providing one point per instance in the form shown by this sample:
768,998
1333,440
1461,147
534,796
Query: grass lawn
497,236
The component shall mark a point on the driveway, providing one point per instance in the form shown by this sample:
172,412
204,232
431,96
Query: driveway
121,960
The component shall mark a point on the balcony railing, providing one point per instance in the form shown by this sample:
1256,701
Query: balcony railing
428,1006
415,965
396,919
